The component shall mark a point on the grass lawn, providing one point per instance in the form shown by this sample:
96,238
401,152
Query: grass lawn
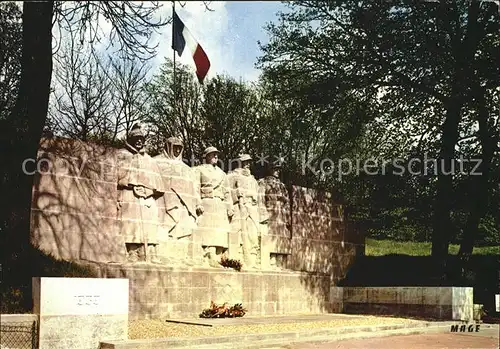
385,247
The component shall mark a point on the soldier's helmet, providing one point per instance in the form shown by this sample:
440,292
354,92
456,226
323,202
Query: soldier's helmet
136,131
209,150
244,157
273,165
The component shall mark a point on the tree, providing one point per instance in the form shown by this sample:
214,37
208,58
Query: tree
484,101
422,50
82,97
129,80
20,133
232,112
224,113
10,55
175,110
132,26
96,98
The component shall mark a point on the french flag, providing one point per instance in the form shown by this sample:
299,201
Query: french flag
182,37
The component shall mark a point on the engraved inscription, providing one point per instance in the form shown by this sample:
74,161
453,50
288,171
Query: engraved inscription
87,300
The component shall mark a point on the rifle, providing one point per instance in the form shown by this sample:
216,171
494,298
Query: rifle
189,211
243,222
144,236
185,205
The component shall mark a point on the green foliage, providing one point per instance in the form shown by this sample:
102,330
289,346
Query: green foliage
232,111
222,311
228,114
386,76
489,232
231,263
390,247
175,110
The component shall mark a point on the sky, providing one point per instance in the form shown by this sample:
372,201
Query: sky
229,34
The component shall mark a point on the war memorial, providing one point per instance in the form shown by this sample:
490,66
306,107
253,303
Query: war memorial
166,239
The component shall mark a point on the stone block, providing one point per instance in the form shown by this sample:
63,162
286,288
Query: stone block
463,304
355,308
384,308
446,303
382,295
200,279
234,245
437,295
355,295
462,295
409,295
255,308
335,307
74,236
80,312
270,308
336,294
62,187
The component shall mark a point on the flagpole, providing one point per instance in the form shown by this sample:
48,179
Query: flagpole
174,89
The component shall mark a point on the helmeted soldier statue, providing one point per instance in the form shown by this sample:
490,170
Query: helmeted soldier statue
276,199
277,204
248,219
139,185
213,226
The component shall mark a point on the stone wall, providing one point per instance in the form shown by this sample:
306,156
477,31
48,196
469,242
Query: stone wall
166,292
447,303
321,238
74,213
74,218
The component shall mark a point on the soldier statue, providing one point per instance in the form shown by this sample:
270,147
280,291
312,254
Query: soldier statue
213,225
276,201
139,185
182,196
248,218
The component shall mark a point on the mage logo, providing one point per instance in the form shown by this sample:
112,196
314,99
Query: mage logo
465,328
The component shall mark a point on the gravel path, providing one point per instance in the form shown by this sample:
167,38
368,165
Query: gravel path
143,329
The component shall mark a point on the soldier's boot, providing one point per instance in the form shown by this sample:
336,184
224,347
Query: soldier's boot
132,253
212,259
153,254
252,261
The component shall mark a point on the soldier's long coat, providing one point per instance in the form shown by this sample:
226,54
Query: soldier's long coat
213,224
138,216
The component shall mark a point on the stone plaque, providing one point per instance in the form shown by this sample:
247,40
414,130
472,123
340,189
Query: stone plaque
80,312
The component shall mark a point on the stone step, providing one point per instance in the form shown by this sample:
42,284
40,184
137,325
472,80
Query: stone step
278,343
262,340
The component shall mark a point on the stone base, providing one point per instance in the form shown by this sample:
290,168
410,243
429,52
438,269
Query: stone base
78,312
184,292
446,303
